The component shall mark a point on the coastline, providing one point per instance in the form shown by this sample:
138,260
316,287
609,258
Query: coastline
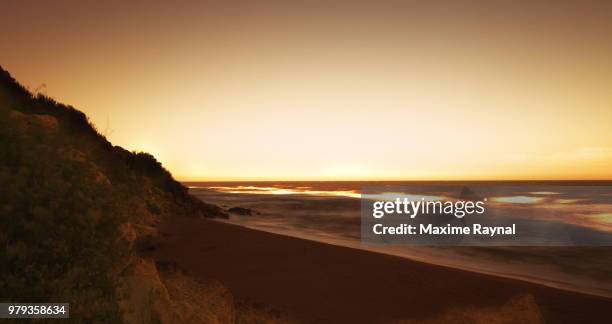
316,213
389,250
319,282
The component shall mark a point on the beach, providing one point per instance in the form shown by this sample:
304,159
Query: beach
330,212
315,282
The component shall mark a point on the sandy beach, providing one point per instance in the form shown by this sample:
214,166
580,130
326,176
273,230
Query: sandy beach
316,282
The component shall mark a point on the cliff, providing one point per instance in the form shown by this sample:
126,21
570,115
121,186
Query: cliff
76,210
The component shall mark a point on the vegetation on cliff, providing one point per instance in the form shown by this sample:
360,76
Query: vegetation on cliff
74,209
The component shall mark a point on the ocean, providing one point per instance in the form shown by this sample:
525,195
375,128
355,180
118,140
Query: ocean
329,212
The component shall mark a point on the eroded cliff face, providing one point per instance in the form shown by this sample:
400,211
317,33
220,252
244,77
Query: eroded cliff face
148,295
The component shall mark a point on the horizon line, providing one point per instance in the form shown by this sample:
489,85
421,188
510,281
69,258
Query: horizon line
396,180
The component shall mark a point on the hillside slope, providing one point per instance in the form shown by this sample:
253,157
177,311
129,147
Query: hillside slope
75,210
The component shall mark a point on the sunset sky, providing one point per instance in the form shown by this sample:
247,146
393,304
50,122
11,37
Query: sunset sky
332,90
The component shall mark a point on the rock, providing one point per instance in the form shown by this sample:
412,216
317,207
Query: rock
241,211
468,194
206,210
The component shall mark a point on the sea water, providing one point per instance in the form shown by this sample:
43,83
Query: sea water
329,212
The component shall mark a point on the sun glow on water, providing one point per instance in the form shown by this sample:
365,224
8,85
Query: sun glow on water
518,199
285,191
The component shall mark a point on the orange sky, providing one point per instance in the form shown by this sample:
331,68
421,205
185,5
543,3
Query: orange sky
332,89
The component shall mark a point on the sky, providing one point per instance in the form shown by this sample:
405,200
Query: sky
331,90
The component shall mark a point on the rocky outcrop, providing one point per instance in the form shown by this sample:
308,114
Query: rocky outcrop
240,211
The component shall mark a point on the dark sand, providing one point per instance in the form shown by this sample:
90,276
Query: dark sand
318,282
